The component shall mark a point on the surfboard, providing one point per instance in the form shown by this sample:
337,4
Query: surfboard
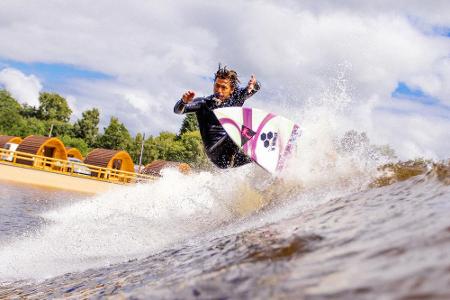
268,139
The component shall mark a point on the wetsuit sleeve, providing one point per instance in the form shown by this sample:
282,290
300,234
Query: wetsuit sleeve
183,108
243,94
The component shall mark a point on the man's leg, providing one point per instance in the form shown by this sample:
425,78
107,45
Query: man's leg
221,156
228,155
240,159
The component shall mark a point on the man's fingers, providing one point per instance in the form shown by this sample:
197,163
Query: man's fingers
251,83
252,79
188,96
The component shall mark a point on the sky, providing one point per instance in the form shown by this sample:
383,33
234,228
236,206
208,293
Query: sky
383,65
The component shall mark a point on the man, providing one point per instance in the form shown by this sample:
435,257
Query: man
221,150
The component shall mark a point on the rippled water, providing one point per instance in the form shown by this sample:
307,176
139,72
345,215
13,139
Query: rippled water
201,238
20,206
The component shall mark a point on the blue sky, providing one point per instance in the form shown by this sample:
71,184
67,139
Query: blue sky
444,31
403,91
53,76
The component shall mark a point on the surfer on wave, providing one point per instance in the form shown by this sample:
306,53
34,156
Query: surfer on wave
221,150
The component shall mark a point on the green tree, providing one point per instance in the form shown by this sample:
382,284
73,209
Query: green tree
59,128
354,141
171,147
86,128
116,136
11,121
151,152
53,107
33,126
134,148
383,151
78,143
189,124
186,148
29,111
166,146
194,153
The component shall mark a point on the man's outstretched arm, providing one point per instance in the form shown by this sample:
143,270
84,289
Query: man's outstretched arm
187,104
252,87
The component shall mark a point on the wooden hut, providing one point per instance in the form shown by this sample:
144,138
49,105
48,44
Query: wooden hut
155,167
74,152
112,159
9,139
51,147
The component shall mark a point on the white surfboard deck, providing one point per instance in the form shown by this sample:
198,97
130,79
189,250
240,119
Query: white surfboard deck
268,139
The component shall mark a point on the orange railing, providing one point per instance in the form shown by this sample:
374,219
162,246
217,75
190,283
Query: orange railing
71,168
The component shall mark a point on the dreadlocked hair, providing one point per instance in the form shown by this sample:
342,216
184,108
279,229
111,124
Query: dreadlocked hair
231,75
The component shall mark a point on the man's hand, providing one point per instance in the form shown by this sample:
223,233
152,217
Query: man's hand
188,96
251,84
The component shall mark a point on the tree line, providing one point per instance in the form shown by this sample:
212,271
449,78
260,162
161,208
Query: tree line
52,116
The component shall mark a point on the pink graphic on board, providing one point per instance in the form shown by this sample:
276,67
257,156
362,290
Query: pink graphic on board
288,149
272,137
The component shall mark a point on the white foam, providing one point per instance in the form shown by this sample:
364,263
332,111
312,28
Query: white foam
324,120
126,223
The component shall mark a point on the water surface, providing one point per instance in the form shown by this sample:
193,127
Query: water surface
367,242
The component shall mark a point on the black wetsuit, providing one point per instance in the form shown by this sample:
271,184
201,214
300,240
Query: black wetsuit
221,150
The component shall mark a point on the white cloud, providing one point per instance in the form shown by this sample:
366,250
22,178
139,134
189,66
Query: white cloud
413,134
299,50
72,102
22,87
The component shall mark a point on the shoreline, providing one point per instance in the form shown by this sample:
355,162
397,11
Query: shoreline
43,178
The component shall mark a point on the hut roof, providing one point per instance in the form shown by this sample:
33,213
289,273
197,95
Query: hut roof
155,167
100,157
32,143
35,144
72,151
7,139
105,157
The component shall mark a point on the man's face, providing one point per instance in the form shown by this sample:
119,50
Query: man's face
223,89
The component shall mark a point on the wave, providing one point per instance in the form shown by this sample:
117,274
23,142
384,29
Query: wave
129,223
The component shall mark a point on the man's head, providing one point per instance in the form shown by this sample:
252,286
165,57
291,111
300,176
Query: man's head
225,82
